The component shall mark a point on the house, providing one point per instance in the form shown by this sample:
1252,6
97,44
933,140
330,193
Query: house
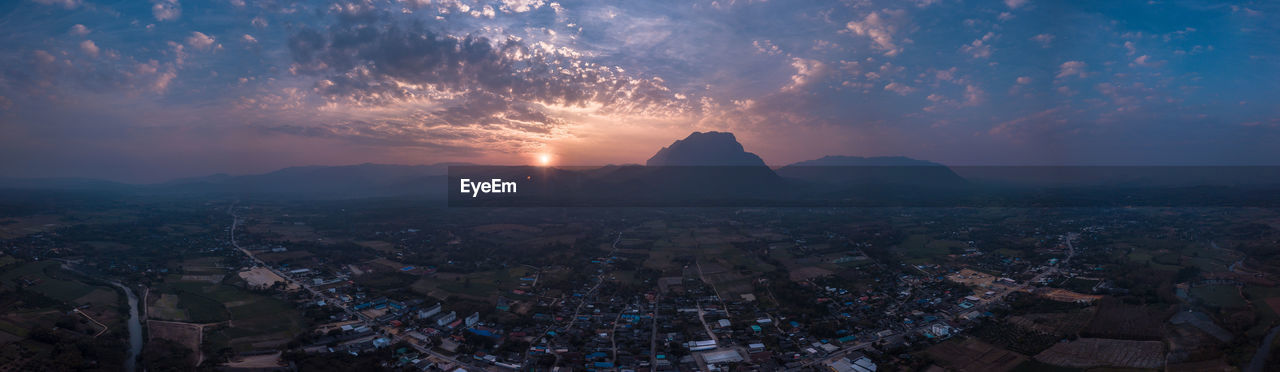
856,362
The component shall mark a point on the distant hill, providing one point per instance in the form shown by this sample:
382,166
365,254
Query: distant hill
705,149
80,184
714,169
348,181
883,170
858,161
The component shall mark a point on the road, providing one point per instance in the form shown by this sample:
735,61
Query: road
95,321
612,335
235,221
653,330
703,319
586,297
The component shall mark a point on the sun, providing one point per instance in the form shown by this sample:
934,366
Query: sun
544,159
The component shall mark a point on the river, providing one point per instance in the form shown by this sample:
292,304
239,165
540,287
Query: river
135,330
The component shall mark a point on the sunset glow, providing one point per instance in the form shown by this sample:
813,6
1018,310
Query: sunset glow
126,90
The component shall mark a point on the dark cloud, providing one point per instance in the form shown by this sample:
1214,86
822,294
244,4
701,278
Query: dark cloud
384,61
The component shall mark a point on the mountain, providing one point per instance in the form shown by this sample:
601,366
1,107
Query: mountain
80,184
348,181
705,149
883,170
858,161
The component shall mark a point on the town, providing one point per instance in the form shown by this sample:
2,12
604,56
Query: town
285,286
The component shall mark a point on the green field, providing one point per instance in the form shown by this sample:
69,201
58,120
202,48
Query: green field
1219,295
920,248
1079,285
56,286
253,317
478,285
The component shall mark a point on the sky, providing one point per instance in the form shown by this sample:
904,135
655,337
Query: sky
146,91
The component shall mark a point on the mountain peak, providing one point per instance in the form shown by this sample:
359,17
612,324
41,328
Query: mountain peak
705,149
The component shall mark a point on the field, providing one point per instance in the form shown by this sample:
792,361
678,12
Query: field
1095,352
973,355
286,231
377,245
483,285
919,248
52,281
278,257
198,266
254,319
165,307
15,227
260,277
185,334
1133,322
1079,285
1270,296
1061,324
1223,296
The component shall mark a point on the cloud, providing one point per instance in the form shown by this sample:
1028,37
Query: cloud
974,96
1034,124
1024,80
166,10
373,63
1072,68
1130,48
44,57
979,48
880,29
79,30
900,89
201,41
163,80
259,22
89,48
766,47
945,75
1044,39
69,4
249,39
1146,61
1015,4
521,6
808,71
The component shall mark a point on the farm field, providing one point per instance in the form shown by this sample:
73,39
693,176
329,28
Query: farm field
52,281
1095,352
1224,296
972,355
483,285
253,318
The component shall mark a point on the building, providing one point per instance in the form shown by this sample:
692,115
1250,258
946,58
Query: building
442,320
701,345
721,357
856,362
429,312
